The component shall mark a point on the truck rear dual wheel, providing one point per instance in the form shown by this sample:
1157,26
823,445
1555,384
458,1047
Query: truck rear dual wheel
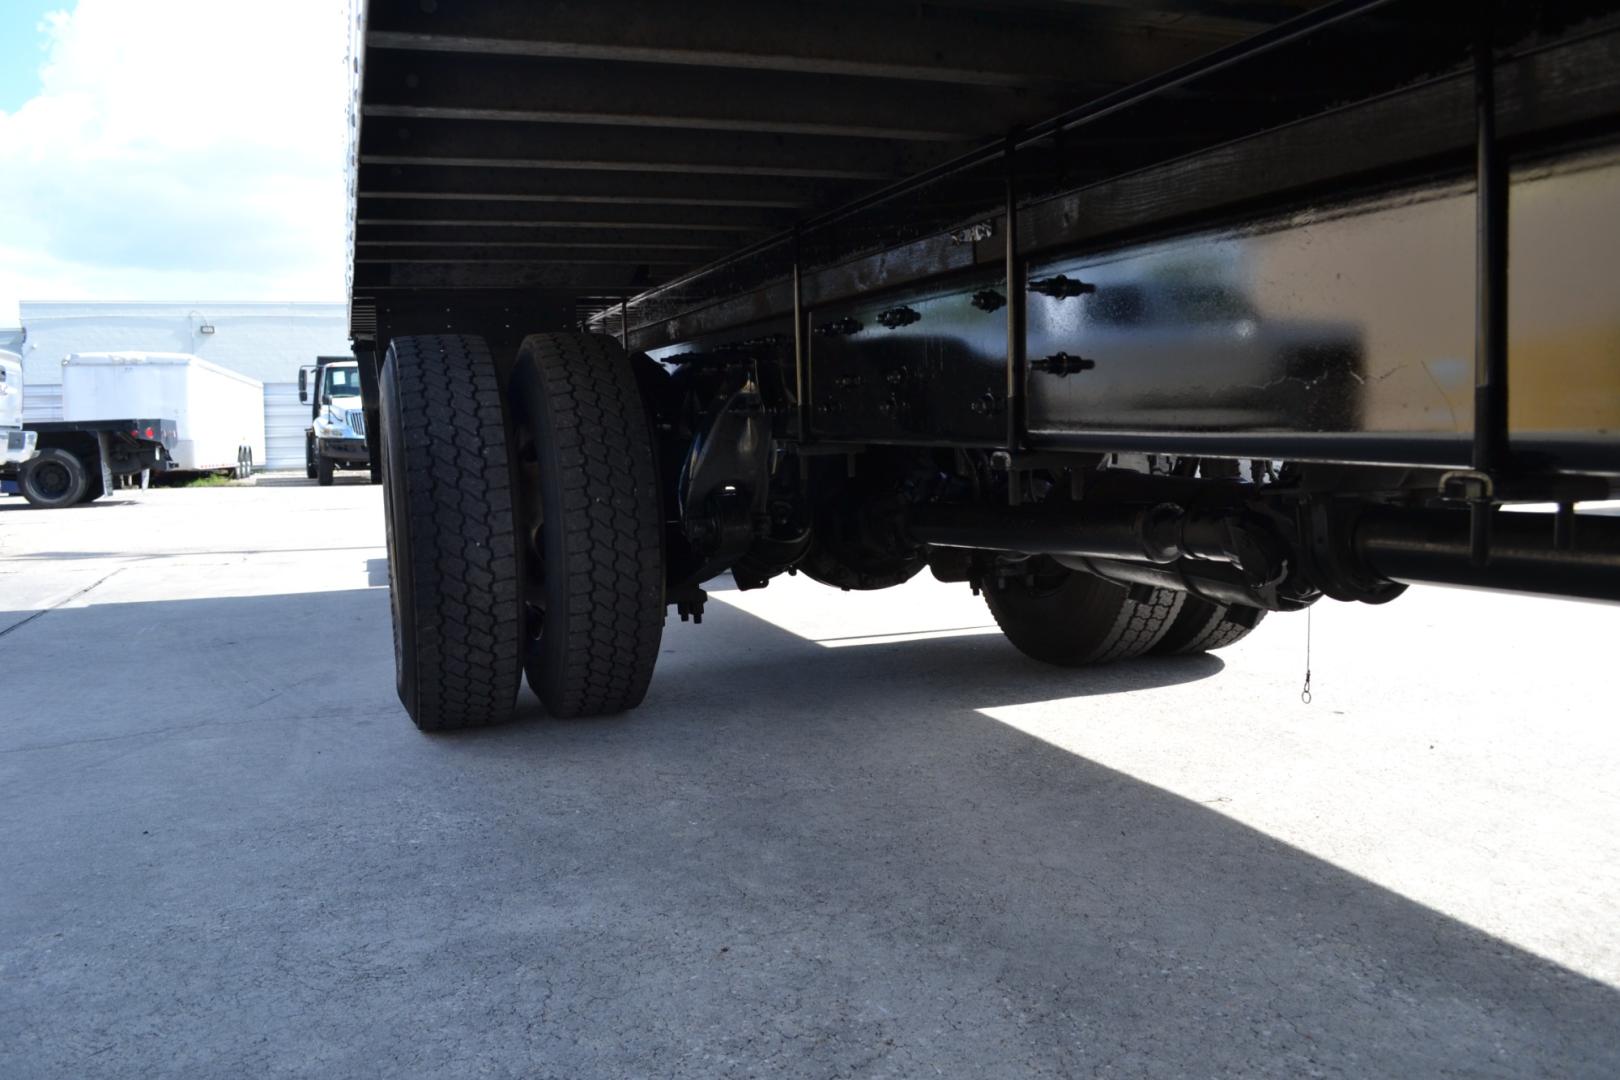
1072,618
522,544
54,478
1202,626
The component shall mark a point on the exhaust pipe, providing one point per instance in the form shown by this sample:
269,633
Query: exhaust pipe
1529,553
1218,555
1210,581
1160,533
1228,558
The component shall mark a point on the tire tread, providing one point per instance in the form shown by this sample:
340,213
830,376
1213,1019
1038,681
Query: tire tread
1084,621
1204,626
612,583
465,617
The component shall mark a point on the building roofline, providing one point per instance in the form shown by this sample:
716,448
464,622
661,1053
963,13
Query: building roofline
185,305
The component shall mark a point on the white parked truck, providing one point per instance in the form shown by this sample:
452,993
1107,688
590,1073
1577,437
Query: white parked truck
63,463
336,436
16,443
218,413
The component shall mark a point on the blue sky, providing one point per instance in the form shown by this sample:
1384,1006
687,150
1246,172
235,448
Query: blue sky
149,156
24,49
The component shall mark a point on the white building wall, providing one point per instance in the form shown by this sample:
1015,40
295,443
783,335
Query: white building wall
285,419
267,341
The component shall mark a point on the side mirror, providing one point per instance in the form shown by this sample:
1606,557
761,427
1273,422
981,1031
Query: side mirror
303,385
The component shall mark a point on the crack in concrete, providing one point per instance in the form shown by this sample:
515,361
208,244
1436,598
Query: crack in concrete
144,733
68,599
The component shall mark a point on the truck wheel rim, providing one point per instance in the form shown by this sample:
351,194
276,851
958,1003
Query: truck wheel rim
51,480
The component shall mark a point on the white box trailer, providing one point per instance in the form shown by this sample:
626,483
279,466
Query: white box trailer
218,413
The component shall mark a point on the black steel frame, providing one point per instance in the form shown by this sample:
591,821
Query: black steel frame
1483,104
1072,222
1026,229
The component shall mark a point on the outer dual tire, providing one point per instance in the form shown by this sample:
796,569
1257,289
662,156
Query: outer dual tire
452,570
529,542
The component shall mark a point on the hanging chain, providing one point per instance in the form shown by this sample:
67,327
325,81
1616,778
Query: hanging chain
1305,691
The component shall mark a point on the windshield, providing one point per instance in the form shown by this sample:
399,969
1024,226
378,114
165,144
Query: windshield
342,382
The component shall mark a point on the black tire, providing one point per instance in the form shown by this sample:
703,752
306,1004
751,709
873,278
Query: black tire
1070,618
94,488
323,469
309,456
1202,626
373,451
453,570
53,478
592,529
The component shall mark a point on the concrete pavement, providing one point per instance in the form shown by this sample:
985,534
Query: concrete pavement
847,835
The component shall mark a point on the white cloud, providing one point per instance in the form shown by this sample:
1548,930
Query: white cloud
180,150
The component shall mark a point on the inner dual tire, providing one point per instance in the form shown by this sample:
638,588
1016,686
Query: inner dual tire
590,524
524,528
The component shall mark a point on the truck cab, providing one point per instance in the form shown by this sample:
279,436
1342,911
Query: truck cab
16,445
336,437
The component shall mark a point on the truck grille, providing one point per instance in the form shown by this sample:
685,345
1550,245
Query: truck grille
357,423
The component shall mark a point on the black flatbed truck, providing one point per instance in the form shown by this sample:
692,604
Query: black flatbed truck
79,461
1143,320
